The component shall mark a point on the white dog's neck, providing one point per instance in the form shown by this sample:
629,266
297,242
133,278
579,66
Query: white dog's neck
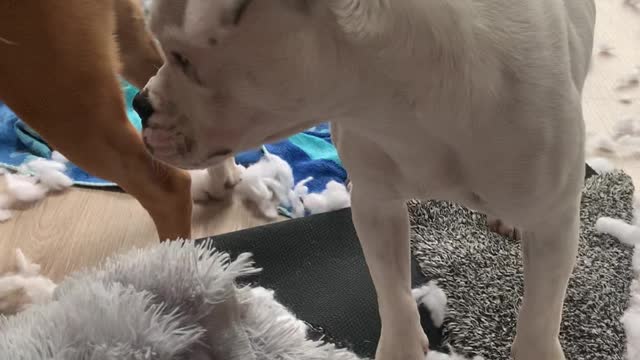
384,42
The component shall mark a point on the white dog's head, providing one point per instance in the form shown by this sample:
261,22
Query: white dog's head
239,73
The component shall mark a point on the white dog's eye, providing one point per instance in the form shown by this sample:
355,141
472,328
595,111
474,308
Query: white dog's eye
185,66
180,60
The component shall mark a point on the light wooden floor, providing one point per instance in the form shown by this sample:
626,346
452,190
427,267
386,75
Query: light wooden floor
81,227
618,27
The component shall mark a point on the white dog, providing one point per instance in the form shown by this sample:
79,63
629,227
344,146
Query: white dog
473,101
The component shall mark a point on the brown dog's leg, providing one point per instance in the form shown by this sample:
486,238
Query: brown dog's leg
139,53
59,74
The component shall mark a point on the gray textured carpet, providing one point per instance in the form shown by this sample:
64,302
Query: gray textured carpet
481,273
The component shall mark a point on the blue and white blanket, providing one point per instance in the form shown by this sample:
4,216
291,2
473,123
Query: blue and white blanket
310,153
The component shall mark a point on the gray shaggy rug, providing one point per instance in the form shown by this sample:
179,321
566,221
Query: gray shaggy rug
481,273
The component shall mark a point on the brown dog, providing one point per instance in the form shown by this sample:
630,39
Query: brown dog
59,62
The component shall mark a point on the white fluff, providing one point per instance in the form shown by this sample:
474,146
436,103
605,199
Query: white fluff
55,180
626,233
604,144
58,157
434,298
295,198
50,174
5,215
601,165
628,126
634,5
267,184
434,355
605,50
32,183
631,317
26,267
636,211
22,188
40,165
631,322
334,197
38,288
630,81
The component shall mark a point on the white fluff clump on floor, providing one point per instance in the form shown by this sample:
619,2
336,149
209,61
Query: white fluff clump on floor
628,234
334,197
24,188
50,174
36,288
631,320
601,165
296,196
58,157
625,141
603,143
269,183
630,81
434,298
627,126
32,182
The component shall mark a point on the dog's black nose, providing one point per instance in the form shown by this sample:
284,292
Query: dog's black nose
143,107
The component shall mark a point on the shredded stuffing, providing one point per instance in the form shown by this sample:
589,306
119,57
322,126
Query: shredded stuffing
601,165
334,197
628,234
269,183
32,182
27,281
434,298
630,81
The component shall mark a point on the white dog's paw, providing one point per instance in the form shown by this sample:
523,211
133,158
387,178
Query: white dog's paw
499,227
533,349
215,183
394,344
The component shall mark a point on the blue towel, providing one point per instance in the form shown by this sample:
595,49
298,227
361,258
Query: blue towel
310,153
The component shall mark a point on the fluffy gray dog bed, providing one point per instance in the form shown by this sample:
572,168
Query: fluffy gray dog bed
174,301
481,273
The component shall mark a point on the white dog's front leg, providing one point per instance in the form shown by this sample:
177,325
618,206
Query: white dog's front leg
383,229
549,251
216,182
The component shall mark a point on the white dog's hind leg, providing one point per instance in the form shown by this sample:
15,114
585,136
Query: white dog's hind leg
549,252
383,229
